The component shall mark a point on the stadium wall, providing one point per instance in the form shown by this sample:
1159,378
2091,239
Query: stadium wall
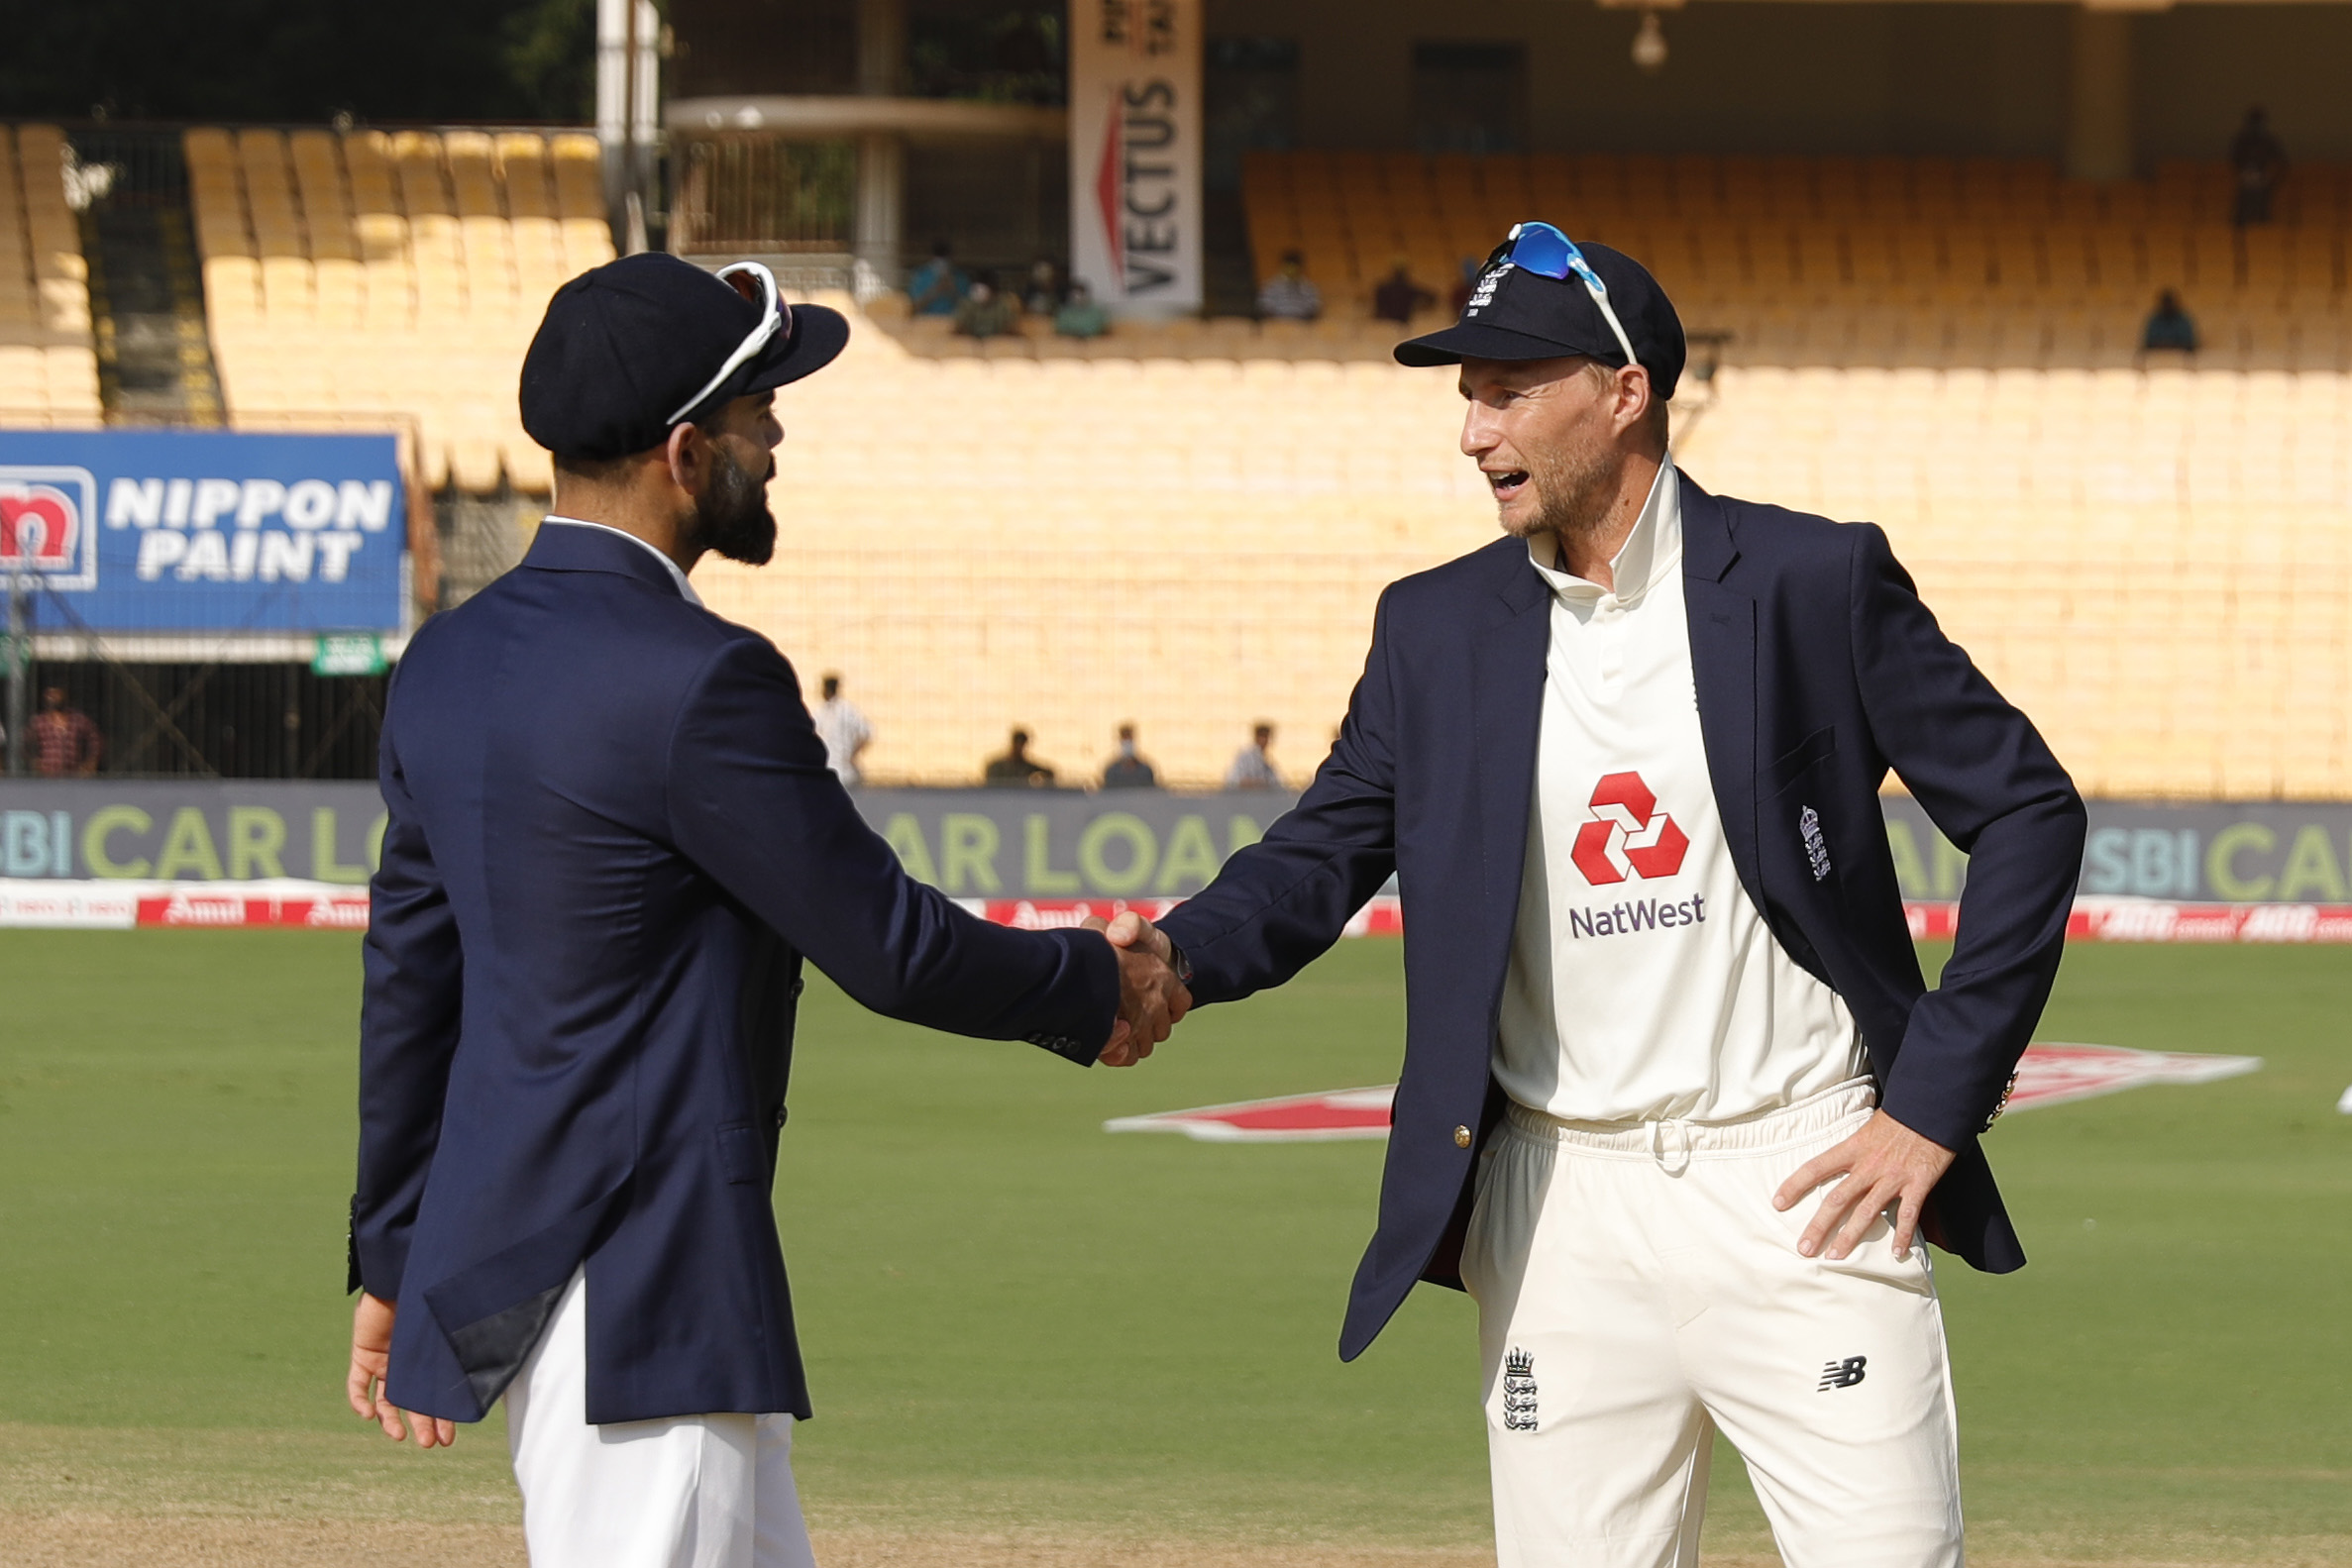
1984,79
101,853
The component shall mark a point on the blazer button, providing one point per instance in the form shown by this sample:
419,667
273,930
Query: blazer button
1462,1137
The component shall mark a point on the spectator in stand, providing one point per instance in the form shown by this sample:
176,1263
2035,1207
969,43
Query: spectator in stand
1253,768
1079,316
844,731
1016,768
1288,294
1044,294
985,313
1458,300
1398,296
2257,160
1128,771
2168,327
66,741
938,286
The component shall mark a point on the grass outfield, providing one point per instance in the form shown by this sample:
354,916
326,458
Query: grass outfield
1016,1322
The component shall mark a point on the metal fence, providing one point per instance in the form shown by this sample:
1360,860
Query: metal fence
748,192
204,720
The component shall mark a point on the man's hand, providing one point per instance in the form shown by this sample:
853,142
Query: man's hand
371,1354
1886,1166
1151,1000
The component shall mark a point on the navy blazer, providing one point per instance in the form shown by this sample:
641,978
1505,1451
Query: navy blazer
1818,670
613,835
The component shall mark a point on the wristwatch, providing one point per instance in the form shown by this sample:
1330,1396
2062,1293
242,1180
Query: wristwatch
1181,965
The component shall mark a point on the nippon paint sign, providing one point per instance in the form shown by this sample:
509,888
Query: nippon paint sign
1136,153
173,529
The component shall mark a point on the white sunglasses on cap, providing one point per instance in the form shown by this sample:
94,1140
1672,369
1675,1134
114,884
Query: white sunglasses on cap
776,315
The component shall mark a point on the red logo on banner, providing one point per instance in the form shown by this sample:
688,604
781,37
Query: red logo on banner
1627,833
40,527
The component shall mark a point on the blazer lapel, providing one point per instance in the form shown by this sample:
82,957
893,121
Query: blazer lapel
1723,667
1507,662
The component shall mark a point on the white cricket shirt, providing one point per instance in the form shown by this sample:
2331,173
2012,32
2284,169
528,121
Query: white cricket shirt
1644,983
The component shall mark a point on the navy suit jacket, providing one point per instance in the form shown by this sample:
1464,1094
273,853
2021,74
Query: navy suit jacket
1818,670
613,836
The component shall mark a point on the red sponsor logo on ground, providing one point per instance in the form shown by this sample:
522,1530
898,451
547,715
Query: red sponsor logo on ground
2050,1074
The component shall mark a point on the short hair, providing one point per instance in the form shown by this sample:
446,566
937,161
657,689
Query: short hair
1657,419
1297,256
832,685
1021,738
1262,729
1127,732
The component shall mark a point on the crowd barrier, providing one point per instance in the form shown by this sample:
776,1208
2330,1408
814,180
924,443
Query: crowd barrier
104,854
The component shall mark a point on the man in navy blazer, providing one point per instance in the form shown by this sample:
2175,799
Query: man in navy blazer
1625,765
612,840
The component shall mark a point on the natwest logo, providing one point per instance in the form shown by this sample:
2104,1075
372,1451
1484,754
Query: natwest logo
45,524
1628,834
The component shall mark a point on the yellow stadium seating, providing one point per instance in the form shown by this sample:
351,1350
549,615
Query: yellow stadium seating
49,366
1849,262
2155,562
397,277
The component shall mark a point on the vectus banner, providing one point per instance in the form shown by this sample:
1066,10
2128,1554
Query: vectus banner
1136,153
176,530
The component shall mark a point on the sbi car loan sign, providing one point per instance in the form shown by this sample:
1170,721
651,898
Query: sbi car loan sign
1136,153
203,531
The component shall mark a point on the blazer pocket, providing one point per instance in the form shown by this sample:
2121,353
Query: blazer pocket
740,1157
1801,759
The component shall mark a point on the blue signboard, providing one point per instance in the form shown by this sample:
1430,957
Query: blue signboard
183,529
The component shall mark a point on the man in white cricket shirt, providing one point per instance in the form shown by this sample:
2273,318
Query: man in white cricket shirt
1676,1105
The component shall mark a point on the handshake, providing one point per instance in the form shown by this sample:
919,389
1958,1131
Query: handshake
1151,999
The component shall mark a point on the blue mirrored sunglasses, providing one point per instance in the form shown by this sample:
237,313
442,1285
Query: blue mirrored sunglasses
1545,250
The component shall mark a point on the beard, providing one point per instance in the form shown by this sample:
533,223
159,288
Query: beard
1573,491
731,516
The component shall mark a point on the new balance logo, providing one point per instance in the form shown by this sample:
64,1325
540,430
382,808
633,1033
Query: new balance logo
1628,834
1519,1391
1843,1374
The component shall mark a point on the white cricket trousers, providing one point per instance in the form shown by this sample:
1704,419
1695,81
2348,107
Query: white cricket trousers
688,1491
1637,1292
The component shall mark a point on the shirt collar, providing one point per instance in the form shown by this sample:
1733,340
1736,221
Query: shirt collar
1649,552
685,590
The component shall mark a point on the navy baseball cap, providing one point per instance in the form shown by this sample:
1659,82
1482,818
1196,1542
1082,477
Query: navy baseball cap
634,348
1518,313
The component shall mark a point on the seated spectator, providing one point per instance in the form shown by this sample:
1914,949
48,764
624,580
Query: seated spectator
985,313
1458,300
1128,771
938,286
1253,768
66,741
1398,296
1288,295
1079,316
1043,295
2168,327
2257,160
1016,768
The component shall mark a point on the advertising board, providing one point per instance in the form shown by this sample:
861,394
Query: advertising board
203,530
1136,202
2209,872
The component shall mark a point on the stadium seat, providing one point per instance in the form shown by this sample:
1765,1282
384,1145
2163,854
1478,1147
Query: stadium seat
424,259
48,368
